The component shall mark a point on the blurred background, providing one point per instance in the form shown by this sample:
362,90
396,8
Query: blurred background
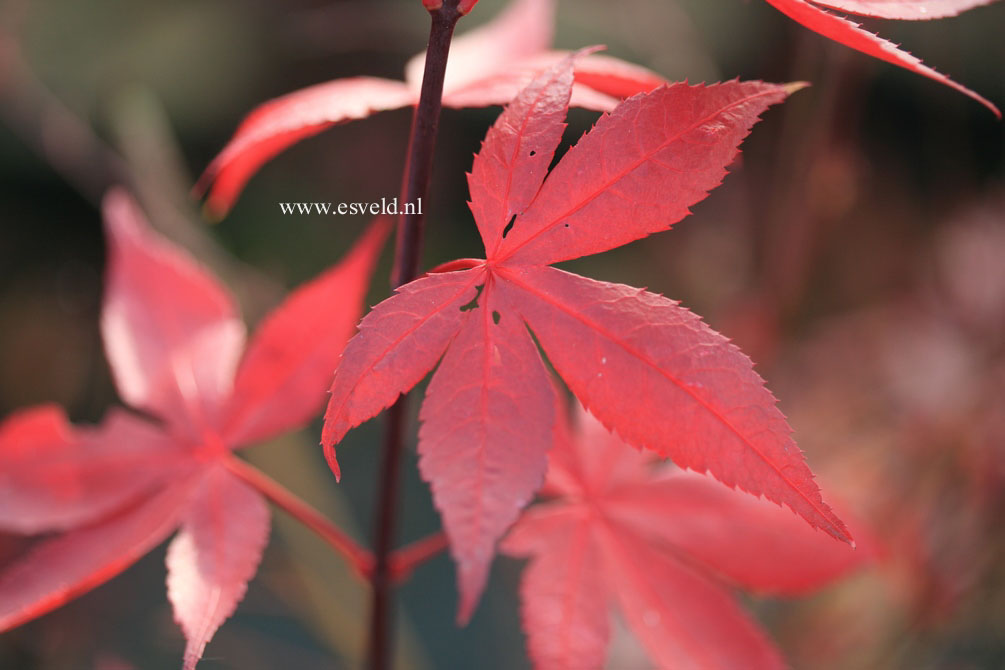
856,253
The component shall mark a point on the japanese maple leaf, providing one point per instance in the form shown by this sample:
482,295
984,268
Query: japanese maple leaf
850,34
487,66
174,341
664,545
647,367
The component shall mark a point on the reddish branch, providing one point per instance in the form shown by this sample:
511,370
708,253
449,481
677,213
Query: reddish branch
418,170
358,558
406,559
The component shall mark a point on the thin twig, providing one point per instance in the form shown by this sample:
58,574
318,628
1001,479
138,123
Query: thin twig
358,558
415,185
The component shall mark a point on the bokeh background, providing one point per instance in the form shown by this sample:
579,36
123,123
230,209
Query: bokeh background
857,253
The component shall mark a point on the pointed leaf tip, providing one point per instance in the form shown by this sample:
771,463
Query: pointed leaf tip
279,385
213,211
487,423
794,86
852,35
214,556
329,451
675,141
587,51
906,10
171,331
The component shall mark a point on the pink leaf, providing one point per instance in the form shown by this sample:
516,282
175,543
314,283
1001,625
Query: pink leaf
500,88
563,608
58,570
487,424
624,529
600,82
280,123
846,32
214,556
750,542
615,77
173,340
681,618
638,171
650,369
281,380
539,525
523,29
662,379
397,344
171,333
487,66
56,477
594,461
904,9
517,151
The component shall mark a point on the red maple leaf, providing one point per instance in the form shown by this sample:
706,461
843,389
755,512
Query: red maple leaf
663,544
648,368
487,66
910,10
850,34
174,341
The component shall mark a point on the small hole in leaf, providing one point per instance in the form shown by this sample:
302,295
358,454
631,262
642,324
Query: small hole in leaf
474,301
509,226
566,225
495,317
532,153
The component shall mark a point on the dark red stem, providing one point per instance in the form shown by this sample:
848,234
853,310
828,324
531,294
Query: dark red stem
422,143
359,558
418,170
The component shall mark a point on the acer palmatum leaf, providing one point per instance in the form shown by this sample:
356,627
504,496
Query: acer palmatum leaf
405,337
678,139
174,342
491,394
171,333
660,544
57,570
850,34
55,477
655,373
278,124
487,66
214,555
295,348
568,624
917,10
648,368
712,632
